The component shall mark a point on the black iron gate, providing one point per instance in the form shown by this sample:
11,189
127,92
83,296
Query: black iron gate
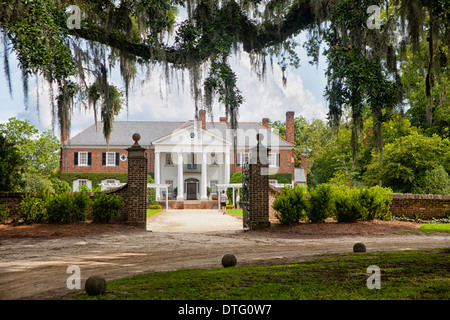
245,194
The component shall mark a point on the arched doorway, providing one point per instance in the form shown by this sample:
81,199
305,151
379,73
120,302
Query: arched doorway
192,188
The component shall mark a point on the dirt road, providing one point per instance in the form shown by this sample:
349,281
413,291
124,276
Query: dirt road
36,268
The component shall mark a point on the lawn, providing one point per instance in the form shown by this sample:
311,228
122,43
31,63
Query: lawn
152,212
404,275
236,212
435,227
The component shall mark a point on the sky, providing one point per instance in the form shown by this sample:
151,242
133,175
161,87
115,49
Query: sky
152,99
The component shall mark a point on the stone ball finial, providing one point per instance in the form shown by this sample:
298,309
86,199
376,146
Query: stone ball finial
136,138
359,247
228,260
95,285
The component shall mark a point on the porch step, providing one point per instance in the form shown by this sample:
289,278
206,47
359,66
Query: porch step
192,204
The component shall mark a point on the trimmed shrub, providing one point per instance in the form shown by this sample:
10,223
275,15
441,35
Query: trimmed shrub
362,204
4,213
105,206
347,206
290,204
320,203
67,207
33,209
375,203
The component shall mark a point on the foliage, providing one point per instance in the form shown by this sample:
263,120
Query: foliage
290,204
33,209
151,192
311,138
67,207
407,160
11,166
40,150
95,177
433,181
362,204
154,205
60,186
105,206
348,208
375,203
320,203
4,213
134,32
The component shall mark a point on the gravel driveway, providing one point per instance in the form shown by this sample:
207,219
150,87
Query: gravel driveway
36,268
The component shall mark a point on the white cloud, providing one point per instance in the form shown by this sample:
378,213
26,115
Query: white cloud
155,100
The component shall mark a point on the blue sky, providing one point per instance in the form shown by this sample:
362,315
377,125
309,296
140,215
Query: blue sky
154,100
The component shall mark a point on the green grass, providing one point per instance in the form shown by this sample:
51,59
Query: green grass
435,227
236,212
404,275
152,212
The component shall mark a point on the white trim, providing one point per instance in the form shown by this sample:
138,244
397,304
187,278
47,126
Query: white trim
108,156
86,154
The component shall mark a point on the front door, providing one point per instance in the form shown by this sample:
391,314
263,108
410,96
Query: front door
191,191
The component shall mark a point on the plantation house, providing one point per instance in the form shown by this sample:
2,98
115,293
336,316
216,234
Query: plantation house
190,157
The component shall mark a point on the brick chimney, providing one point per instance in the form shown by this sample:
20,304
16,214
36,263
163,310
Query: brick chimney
223,119
265,123
290,127
202,118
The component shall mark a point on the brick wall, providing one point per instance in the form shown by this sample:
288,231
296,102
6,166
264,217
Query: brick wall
424,206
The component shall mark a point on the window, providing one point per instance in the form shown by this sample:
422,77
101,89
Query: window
213,159
242,158
274,159
82,158
110,159
81,182
169,161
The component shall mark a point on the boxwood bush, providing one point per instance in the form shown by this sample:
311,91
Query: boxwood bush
290,204
343,204
320,203
105,206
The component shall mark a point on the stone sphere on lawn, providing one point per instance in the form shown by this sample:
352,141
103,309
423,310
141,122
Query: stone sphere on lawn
228,260
95,285
359,247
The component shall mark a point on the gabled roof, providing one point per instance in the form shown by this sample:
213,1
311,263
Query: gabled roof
151,131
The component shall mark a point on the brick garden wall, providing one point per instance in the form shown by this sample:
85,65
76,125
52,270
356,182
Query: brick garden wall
424,206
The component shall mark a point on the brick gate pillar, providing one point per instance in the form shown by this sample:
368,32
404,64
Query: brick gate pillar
136,203
259,187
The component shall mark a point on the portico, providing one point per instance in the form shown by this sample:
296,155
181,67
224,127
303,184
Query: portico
191,159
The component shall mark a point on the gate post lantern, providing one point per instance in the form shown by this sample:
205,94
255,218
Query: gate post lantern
136,203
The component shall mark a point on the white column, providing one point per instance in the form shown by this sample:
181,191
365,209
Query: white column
227,166
180,193
204,192
157,173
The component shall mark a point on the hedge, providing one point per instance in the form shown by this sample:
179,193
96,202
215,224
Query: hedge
95,177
